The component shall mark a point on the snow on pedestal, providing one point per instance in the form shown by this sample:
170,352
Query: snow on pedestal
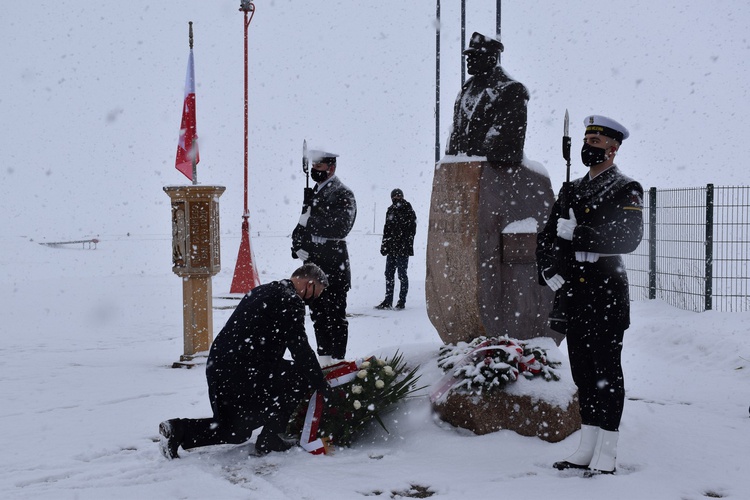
530,407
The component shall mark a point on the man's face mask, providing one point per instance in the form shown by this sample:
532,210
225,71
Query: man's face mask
591,155
311,298
319,175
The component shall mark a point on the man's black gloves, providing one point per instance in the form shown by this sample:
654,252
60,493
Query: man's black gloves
328,393
300,239
307,198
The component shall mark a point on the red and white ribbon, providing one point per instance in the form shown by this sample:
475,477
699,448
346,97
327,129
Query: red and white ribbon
338,374
525,363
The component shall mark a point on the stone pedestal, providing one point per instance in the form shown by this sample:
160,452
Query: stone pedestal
481,270
499,410
195,259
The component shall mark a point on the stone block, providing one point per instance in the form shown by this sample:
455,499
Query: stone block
497,410
481,280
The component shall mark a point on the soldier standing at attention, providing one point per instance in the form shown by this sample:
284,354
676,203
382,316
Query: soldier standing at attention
604,220
320,239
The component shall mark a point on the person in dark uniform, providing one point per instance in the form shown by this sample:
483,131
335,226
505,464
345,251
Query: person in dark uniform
328,216
250,384
578,257
489,117
397,246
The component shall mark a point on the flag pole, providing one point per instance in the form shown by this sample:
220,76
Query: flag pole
245,273
192,144
463,42
437,81
498,25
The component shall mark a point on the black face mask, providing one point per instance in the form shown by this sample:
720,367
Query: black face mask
318,175
591,155
309,300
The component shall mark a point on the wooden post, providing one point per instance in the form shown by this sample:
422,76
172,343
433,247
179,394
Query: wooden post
195,258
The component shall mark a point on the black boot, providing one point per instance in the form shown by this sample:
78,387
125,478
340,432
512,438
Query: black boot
401,304
171,438
384,305
269,441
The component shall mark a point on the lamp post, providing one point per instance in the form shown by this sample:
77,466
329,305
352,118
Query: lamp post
245,273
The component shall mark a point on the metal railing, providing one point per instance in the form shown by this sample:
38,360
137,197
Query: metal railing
695,252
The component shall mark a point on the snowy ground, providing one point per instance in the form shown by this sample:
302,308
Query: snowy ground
89,335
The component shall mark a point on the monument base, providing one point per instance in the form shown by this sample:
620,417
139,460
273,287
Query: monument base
499,410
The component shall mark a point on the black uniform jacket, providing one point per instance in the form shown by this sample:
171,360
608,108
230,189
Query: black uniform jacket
399,230
489,118
609,214
268,320
333,211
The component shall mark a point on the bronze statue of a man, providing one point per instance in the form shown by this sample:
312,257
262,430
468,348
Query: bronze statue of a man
489,118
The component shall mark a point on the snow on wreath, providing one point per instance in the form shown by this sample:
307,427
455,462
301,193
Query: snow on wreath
491,363
363,390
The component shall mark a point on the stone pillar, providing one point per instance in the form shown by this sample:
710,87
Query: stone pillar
481,269
195,258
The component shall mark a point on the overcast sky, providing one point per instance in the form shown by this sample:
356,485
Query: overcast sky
91,98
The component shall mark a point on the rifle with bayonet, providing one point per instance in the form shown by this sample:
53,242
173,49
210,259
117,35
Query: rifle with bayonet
300,235
558,317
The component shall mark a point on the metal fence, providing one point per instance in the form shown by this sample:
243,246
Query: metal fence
695,250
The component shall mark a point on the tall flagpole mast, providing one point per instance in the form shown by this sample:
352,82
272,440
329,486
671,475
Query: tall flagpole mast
498,18
192,145
245,273
437,82
463,42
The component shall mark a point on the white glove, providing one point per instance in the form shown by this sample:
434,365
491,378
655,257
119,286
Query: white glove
555,282
303,254
565,227
303,218
587,256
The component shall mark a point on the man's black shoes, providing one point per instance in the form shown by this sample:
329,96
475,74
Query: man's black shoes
387,305
171,438
564,465
269,441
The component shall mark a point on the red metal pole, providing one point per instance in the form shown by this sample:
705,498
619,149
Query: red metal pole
249,9
245,273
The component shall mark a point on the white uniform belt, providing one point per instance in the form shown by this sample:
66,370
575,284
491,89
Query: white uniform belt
320,240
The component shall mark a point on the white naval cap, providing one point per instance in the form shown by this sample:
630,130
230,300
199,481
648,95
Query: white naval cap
597,124
319,156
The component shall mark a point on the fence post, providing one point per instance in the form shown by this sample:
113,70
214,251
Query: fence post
652,243
709,245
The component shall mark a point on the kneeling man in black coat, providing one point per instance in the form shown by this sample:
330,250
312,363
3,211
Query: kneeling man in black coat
250,384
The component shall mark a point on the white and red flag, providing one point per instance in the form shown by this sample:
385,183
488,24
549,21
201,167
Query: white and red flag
187,148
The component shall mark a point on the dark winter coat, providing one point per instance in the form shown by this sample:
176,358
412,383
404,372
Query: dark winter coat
399,230
333,211
489,118
268,320
609,214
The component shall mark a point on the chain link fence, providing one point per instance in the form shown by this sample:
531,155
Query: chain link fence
695,251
